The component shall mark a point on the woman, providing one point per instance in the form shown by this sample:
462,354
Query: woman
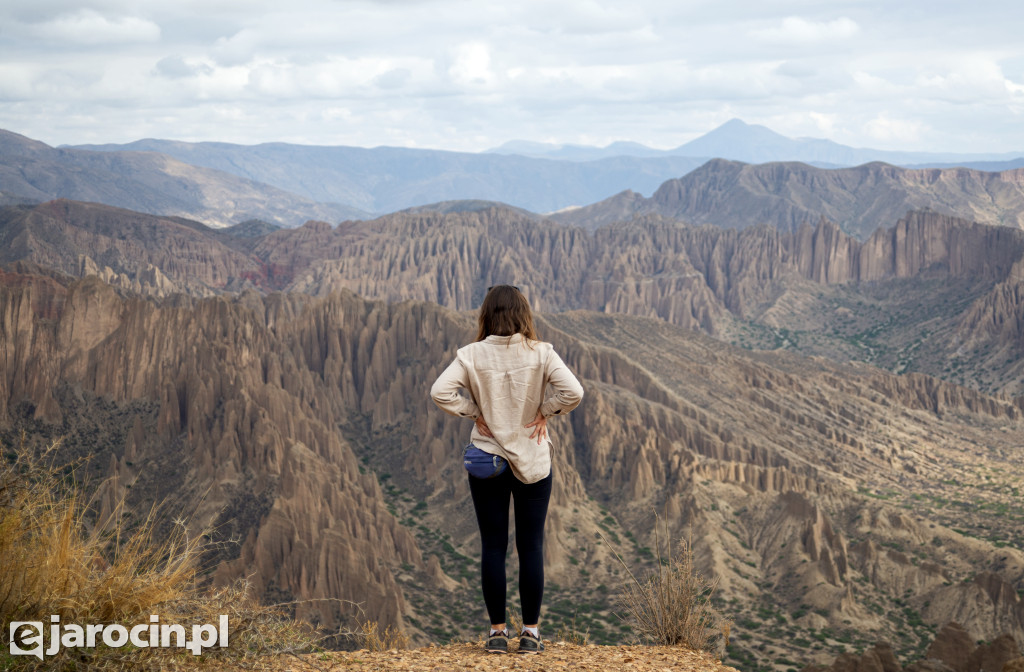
507,371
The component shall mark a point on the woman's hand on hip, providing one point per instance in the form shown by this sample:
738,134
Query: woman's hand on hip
481,426
540,423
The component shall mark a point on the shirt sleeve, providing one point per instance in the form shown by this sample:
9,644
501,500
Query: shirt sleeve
568,391
445,392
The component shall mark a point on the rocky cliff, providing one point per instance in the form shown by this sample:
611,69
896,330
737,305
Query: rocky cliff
933,293
146,254
213,410
297,430
730,194
954,650
630,267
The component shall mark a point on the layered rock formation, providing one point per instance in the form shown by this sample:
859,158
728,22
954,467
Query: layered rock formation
567,268
298,430
228,413
933,294
730,194
953,650
151,255
960,317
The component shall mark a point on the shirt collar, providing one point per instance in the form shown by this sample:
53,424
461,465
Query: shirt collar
494,338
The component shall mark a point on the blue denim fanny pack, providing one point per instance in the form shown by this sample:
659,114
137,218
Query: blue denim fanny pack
481,464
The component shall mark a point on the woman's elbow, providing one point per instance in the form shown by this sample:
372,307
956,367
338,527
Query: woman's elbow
574,396
438,394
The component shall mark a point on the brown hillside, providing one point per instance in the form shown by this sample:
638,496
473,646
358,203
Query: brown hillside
730,194
932,294
824,496
147,254
148,182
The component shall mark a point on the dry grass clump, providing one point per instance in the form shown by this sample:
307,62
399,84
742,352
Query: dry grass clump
52,562
515,622
570,634
372,638
672,605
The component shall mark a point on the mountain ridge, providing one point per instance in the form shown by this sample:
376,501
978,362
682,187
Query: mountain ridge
730,194
148,182
388,179
737,140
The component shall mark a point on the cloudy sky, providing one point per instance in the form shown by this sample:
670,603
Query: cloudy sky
466,75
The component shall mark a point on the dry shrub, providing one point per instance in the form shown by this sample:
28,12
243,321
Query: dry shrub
51,565
570,634
371,638
515,622
672,605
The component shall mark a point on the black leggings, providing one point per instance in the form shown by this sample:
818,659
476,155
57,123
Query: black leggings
490,499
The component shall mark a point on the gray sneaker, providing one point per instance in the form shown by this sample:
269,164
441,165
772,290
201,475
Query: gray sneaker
497,643
530,644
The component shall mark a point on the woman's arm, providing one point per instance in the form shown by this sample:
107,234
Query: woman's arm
568,391
445,392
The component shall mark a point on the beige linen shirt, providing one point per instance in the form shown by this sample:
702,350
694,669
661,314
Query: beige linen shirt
507,378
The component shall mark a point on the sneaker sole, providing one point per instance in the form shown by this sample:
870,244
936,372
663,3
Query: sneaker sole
496,649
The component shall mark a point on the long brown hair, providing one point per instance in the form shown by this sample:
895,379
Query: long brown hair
505,312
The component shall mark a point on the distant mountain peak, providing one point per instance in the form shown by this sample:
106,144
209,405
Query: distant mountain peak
736,124
575,152
739,140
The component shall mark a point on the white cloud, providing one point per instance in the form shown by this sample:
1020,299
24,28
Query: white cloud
473,75
887,129
471,65
392,79
89,27
15,82
335,78
825,123
582,17
966,80
796,69
177,67
875,87
238,49
799,31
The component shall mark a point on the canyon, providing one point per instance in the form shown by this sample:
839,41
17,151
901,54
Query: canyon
816,375
931,294
837,502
